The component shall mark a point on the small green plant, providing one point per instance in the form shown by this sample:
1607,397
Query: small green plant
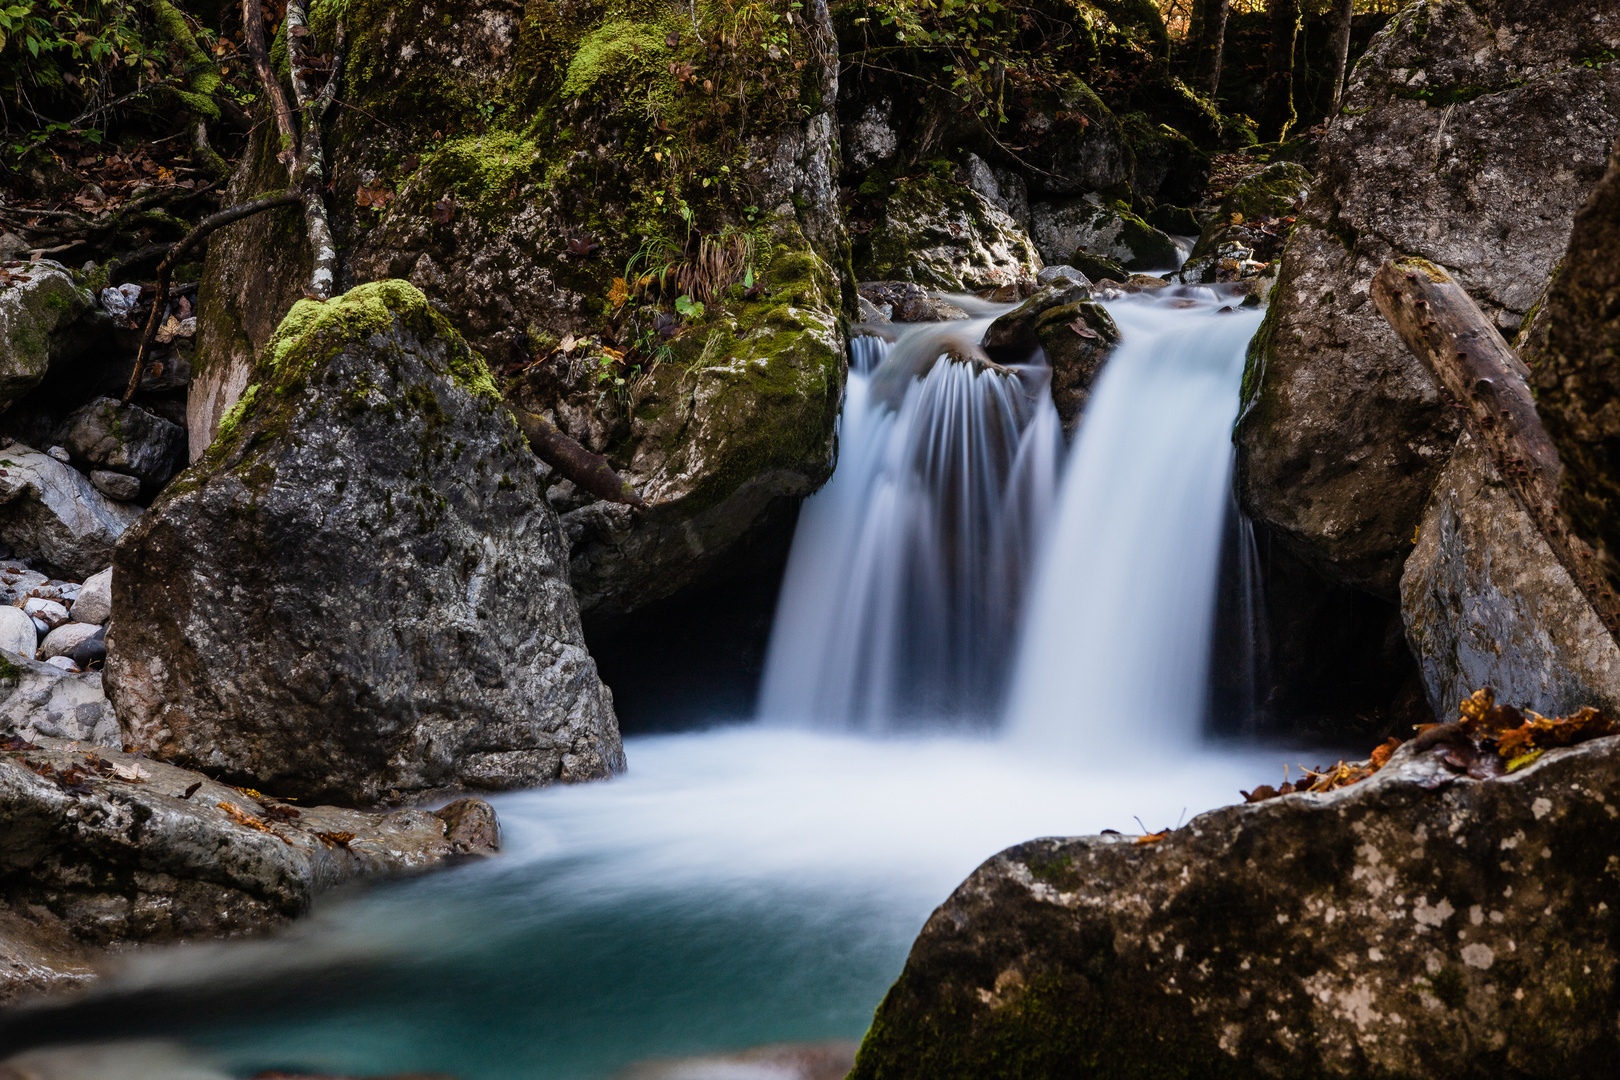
688,308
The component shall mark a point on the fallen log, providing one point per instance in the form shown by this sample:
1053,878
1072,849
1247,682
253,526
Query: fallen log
1445,329
589,472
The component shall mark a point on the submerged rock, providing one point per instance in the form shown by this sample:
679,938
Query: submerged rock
946,236
1471,133
1487,603
51,513
36,303
106,848
398,619
1418,923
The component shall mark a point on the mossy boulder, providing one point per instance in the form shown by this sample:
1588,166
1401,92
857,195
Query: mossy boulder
1064,229
1343,432
1419,923
945,235
38,302
553,172
1075,334
397,620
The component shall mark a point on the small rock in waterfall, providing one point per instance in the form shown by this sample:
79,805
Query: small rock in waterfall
51,613
1050,274
120,487
18,634
94,601
66,638
908,302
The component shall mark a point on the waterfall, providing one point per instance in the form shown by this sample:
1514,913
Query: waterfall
1116,647
900,600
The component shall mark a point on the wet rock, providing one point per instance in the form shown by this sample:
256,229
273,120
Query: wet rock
1065,228
946,236
1050,274
36,305
18,635
1470,135
1419,923
108,435
1486,603
868,312
781,1061
66,639
94,600
906,301
38,698
106,848
399,620
1005,189
1075,334
49,512
1099,269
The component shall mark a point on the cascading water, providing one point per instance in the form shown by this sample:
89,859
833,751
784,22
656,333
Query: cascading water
1116,647
762,882
901,593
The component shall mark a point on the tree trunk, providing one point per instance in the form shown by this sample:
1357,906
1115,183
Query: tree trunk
1443,327
1339,50
1277,113
1209,42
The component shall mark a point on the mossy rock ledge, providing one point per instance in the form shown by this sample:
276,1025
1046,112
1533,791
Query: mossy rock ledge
1419,924
359,595
532,154
1471,133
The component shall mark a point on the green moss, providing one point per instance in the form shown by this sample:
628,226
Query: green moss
203,76
8,670
482,169
619,54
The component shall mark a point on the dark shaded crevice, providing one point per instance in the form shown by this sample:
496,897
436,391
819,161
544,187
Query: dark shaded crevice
696,658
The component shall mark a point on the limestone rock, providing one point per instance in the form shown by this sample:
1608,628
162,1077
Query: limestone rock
398,620
1249,225
116,486
145,851
1418,923
718,463
40,301
49,512
64,639
1075,334
109,435
17,633
946,236
40,699
1486,603
1062,228
906,301
94,602
1471,133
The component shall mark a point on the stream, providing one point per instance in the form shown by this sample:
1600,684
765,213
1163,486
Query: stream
982,638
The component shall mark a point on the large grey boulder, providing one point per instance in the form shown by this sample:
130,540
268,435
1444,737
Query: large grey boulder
1062,227
105,848
50,513
946,236
36,302
1471,133
1486,603
41,700
360,593
109,435
1417,924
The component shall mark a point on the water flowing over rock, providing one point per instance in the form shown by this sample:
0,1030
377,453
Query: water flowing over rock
1418,923
360,594
518,224
946,236
1470,135
105,847
1486,603
50,512
1075,334
34,308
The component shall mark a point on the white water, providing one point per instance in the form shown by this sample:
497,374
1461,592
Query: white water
901,591
763,883
1115,653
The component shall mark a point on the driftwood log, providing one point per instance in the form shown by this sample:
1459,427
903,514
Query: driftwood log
1445,329
589,472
